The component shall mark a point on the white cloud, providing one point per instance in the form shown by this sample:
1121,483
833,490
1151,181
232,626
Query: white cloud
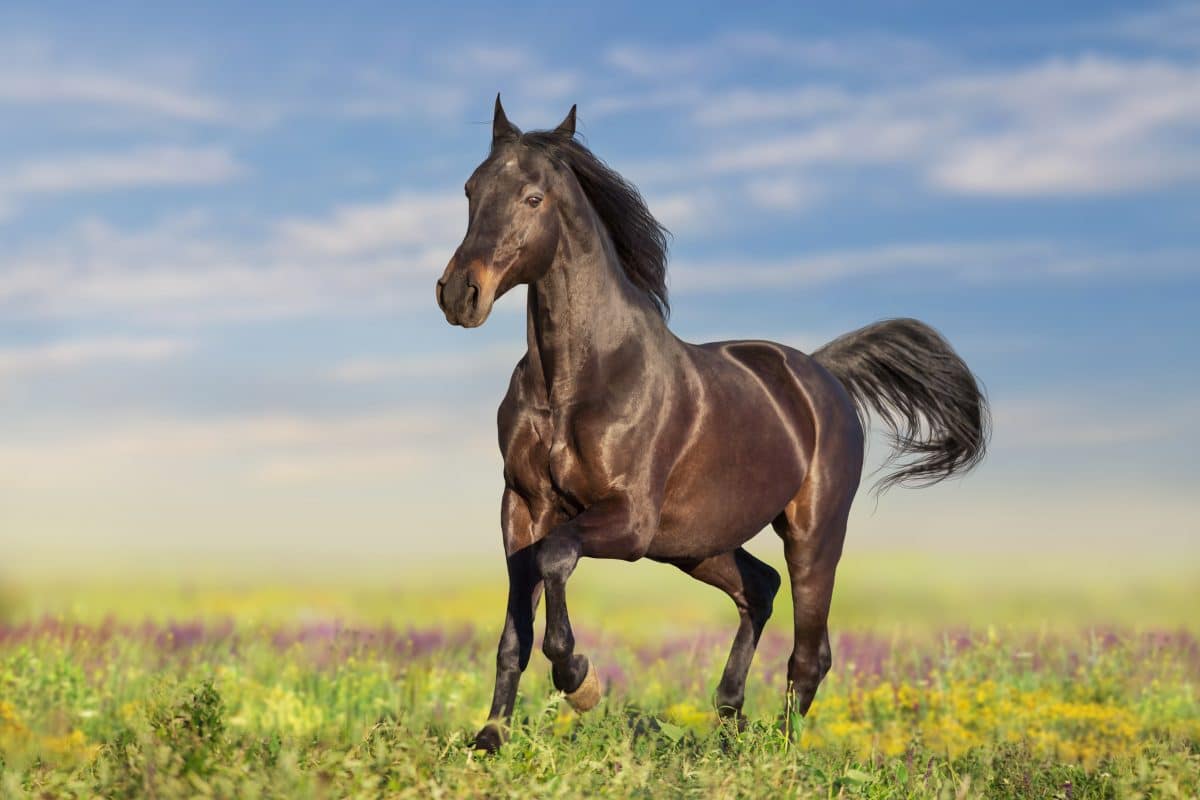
253,449
384,259
1042,422
405,219
379,94
781,194
34,75
1177,25
460,82
862,52
43,88
739,106
1085,125
361,259
966,261
1090,125
72,353
151,166
693,212
498,359
489,57
671,97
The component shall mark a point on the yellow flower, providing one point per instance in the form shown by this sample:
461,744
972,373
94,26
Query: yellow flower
689,716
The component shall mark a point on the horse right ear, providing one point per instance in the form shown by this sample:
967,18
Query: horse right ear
502,129
567,126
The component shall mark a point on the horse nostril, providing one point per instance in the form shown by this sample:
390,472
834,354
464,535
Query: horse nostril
473,297
441,287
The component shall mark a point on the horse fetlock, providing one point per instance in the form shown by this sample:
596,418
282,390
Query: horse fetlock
587,695
570,673
490,737
803,679
729,700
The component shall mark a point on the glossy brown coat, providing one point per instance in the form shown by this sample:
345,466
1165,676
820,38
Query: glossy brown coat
622,441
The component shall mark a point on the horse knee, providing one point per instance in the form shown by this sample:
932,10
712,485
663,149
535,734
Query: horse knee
557,557
760,595
558,645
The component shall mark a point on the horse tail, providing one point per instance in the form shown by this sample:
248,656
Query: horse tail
906,373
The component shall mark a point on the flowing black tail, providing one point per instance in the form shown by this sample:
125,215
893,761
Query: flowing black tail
906,373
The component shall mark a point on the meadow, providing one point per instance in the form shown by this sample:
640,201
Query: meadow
952,678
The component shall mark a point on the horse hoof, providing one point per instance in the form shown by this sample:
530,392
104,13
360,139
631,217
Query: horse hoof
588,694
489,739
732,719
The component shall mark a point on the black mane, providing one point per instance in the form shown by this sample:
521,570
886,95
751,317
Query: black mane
640,240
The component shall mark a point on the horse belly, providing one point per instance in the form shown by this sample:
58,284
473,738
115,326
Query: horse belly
727,501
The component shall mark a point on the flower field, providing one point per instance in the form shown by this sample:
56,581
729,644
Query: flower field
340,698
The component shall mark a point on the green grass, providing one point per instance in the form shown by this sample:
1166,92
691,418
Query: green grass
949,681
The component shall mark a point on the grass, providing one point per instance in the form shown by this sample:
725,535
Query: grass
969,684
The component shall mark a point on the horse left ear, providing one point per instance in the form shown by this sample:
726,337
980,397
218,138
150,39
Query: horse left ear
502,129
567,126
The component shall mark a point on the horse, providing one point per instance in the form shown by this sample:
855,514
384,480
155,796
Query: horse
622,441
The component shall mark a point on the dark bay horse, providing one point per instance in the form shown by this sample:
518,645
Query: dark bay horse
622,441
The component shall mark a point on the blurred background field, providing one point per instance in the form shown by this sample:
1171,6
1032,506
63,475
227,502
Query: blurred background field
901,591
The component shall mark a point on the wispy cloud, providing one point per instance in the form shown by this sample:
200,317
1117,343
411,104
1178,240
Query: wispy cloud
380,259
33,75
185,270
454,77
864,51
494,359
696,212
781,194
1045,422
1086,125
139,168
73,353
1177,25
406,219
964,261
255,449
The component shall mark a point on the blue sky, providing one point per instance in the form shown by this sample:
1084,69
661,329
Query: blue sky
221,228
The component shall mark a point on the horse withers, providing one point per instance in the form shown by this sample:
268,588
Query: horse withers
622,441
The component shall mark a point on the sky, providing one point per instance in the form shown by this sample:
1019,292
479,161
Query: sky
220,229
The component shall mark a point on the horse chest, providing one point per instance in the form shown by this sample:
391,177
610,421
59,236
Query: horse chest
568,468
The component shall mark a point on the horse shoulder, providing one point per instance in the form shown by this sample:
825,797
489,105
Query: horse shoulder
522,426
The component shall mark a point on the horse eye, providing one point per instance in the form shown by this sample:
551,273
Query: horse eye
533,200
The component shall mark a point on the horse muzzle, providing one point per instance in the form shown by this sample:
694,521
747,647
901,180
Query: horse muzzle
464,298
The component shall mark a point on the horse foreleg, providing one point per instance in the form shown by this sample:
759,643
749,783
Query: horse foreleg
572,673
604,530
516,645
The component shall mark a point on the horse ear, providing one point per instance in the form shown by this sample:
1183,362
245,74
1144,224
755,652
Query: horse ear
567,126
501,128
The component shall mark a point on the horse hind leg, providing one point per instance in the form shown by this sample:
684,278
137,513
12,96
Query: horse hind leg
813,528
752,586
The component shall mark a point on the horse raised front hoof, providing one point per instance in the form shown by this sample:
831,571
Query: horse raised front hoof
489,739
588,694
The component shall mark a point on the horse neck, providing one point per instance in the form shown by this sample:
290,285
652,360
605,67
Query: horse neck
583,308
